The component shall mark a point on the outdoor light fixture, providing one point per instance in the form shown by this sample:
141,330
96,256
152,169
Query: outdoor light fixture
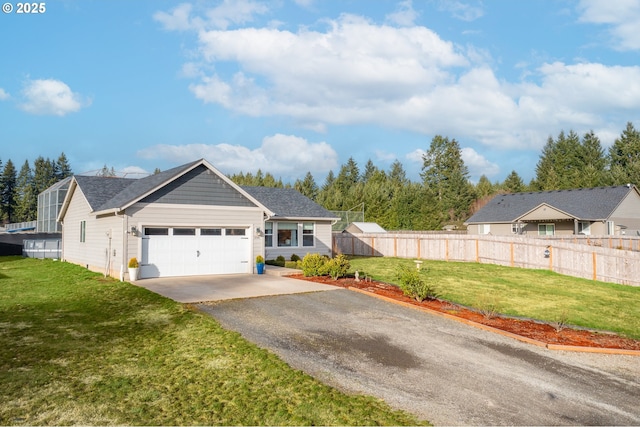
134,230
547,252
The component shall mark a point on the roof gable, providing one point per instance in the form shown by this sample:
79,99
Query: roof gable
542,212
584,203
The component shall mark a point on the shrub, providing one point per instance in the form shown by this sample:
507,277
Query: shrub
292,264
295,257
313,265
133,263
337,267
281,259
259,259
274,262
414,284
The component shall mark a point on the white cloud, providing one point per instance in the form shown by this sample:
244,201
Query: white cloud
4,95
227,13
463,10
416,156
355,71
51,97
478,165
281,155
623,17
404,16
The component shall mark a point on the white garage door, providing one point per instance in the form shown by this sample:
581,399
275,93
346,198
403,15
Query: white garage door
188,251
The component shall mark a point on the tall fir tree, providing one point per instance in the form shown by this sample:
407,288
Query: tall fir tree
447,177
8,181
62,167
594,163
25,198
513,183
307,187
624,157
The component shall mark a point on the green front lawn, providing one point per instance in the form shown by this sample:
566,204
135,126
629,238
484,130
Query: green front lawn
76,348
537,294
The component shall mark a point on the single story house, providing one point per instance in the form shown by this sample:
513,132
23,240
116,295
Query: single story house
589,211
364,227
189,220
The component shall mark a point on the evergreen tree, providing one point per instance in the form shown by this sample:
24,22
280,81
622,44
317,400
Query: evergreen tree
8,192
513,183
62,168
369,170
106,172
484,187
348,176
546,176
26,199
446,176
307,187
593,173
624,157
43,174
397,175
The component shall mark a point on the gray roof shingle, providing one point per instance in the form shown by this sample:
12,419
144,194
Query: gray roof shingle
288,203
583,203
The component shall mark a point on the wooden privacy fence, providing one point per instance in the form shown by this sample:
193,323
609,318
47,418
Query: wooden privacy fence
564,257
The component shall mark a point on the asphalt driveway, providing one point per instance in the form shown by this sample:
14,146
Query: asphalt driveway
439,369
192,289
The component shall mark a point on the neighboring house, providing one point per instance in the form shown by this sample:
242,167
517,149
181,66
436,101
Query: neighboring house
589,211
364,227
189,220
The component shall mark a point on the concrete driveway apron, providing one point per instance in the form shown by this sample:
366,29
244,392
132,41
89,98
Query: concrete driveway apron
439,369
193,289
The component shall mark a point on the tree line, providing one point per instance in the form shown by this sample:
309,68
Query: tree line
446,196
19,189
443,196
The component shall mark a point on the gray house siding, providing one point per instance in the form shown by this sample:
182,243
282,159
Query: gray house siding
200,186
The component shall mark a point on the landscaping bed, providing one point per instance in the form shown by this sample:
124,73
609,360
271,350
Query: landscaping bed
549,333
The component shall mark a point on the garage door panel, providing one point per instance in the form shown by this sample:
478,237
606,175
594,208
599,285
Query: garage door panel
213,252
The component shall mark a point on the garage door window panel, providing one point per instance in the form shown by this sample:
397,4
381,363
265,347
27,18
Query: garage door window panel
184,231
156,231
235,232
211,232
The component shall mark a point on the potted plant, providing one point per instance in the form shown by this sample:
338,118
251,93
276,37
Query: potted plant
260,264
133,268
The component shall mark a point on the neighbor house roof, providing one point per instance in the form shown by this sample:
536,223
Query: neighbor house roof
367,227
288,203
583,203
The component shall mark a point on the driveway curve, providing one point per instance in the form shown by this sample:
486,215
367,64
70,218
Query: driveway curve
438,369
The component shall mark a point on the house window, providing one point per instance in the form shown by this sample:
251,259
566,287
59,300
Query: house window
268,234
584,227
484,228
611,229
83,230
517,227
287,234
307,234
546,229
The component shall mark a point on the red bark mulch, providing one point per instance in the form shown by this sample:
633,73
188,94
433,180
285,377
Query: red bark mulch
544,332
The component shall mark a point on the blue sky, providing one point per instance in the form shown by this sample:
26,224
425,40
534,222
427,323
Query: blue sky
296,86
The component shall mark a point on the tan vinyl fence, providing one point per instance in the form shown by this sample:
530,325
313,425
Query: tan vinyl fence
564,257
